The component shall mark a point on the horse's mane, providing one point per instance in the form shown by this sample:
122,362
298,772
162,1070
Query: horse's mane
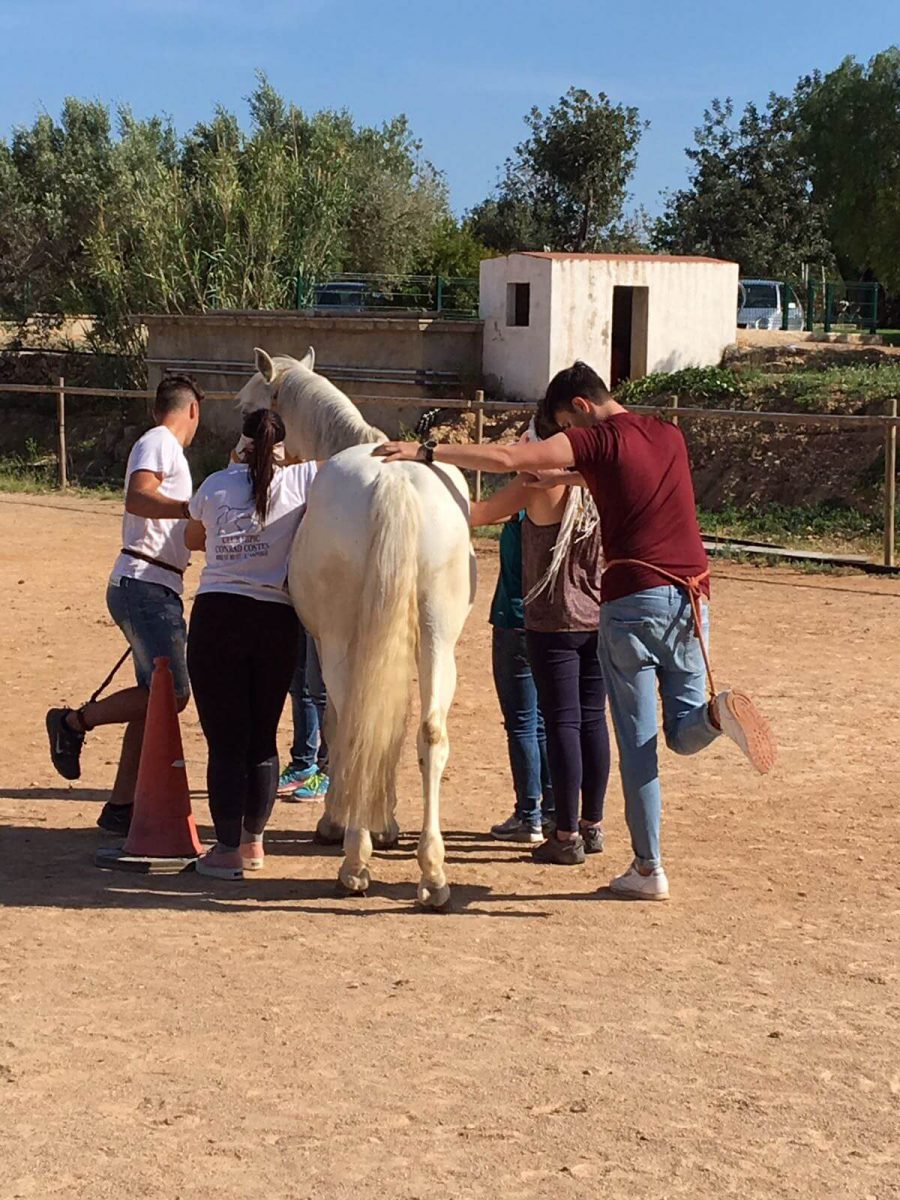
319,418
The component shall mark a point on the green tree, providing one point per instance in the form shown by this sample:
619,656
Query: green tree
51,176
566,185
750,196
850,132
146,221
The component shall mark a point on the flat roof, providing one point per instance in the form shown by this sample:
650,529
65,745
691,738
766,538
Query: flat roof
680,258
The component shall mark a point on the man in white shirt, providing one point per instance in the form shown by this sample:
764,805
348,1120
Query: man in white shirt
144,593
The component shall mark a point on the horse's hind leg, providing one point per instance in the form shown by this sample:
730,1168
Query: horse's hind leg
437,683
330,828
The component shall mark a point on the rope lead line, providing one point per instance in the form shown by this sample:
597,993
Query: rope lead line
108,680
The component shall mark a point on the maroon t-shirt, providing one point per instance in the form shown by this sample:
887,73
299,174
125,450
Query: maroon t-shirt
637,470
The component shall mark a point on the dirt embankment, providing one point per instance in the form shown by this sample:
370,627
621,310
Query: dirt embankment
737,465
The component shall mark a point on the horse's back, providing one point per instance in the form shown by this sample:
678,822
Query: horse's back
331,550
341,499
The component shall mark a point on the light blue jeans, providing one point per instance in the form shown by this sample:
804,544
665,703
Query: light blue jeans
648,639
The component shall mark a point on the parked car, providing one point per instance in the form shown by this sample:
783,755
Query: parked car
761,305
341,294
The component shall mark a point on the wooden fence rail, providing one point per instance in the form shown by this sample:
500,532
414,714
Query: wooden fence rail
676,412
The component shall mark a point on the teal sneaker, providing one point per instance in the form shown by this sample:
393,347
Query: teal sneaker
292,777
314,787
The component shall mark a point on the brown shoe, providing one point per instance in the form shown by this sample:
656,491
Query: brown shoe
568,853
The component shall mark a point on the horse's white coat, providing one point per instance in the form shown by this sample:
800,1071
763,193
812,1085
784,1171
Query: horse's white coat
383,575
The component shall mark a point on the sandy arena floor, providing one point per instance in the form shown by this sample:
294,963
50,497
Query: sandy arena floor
181,1038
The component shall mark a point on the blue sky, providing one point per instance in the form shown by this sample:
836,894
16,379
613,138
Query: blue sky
464,71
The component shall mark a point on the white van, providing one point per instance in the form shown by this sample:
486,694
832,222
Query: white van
761,305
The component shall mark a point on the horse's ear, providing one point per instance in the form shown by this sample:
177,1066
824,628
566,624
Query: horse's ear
264,364
309,359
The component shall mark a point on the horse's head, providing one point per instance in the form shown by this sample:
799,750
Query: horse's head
261,390
319,419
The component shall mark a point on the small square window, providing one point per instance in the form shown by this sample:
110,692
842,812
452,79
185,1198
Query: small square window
518,303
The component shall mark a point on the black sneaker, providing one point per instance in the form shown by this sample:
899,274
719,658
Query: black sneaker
569,853
65,744
115,818
592,836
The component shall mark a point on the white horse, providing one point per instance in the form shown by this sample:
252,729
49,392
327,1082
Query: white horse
383,575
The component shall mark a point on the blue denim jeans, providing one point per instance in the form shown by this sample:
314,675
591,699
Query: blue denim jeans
308,708
525,737
648,639
152,618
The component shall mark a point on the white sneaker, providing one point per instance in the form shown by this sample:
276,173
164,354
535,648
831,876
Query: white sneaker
635,886
530,833
741,720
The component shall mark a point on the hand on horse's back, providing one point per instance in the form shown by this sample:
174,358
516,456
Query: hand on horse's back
397,451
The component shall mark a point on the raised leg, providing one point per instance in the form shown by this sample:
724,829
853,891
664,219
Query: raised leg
437,683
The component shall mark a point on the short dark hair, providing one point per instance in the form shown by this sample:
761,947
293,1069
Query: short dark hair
175,393
577,380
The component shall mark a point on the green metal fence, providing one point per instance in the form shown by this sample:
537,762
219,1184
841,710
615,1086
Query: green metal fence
453,296
833,306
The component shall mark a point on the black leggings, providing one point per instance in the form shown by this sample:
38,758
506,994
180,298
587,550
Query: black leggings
241,655
572,697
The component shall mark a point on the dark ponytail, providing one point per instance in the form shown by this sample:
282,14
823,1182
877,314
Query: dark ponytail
266,429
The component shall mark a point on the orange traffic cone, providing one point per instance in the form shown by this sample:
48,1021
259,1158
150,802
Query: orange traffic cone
163,836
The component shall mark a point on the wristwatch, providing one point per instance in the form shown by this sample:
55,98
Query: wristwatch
429,447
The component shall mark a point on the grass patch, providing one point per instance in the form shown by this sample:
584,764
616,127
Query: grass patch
826,526
805,386
39,477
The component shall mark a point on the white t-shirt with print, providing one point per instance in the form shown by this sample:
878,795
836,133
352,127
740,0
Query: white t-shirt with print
159,451
242,555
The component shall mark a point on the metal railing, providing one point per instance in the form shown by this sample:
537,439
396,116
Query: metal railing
888,423
833,305
453,296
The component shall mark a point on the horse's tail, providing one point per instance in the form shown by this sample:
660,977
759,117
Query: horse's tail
382,657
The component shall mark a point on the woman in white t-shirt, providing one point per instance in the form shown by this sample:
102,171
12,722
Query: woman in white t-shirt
242,644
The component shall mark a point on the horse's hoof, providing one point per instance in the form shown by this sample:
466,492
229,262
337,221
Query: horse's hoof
353,885
432,896
347,893
385,841
328,834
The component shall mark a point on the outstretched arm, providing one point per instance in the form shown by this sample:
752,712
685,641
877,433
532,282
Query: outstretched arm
504,502
496,459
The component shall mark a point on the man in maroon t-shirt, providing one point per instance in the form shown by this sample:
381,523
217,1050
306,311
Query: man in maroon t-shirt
637,470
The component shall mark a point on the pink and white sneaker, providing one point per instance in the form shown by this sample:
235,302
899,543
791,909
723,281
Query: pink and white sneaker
253,856
221,863
635,886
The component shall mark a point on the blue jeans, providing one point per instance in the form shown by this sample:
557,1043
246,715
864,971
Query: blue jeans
308,708
648,639
525,738
152,618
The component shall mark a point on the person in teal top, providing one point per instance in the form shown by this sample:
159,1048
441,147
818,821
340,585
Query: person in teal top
517,694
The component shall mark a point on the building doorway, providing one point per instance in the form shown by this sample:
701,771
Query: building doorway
628,357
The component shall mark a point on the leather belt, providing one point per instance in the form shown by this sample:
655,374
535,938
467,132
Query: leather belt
156,562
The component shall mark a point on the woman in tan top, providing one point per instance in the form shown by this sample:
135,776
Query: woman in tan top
561,567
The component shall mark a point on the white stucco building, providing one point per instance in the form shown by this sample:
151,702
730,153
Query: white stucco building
626,314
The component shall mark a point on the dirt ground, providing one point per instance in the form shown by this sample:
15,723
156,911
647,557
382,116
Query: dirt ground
183,1038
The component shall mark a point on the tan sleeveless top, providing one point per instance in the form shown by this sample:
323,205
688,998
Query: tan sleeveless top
572,604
